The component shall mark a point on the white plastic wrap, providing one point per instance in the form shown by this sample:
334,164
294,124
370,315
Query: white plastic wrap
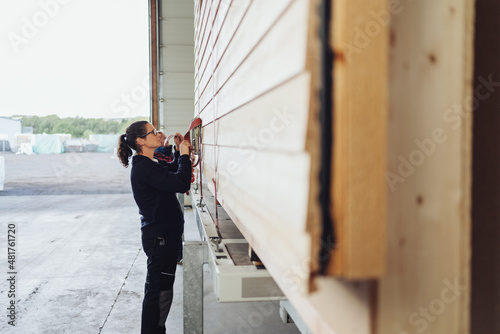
2,172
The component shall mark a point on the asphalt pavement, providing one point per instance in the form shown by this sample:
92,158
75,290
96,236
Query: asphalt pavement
76,263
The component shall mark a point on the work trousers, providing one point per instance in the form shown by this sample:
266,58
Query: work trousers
158,290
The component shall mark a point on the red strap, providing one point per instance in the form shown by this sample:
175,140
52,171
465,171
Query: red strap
194,123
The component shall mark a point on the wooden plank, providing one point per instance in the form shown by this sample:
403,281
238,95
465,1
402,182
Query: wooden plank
200,46
276,121
208,110
228,20
348,301
313,146
255,24
206,96
198,31
200,24
427,282
462,315
207,32
238,168
205,78
205,45
259,72
226,8
283,202
257,218
336,306
275,252
358,190
218,22
246,23
228,23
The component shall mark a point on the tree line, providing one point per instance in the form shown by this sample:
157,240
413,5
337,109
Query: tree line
78,127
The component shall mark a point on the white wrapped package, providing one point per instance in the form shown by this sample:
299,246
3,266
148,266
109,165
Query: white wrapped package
2,172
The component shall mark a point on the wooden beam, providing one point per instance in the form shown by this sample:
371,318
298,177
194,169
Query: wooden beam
358,191
427,284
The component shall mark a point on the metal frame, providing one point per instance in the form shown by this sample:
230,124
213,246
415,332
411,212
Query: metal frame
232,283
195,255
154,62
228,278
288,314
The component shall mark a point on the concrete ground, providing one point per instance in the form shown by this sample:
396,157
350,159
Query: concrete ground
79,263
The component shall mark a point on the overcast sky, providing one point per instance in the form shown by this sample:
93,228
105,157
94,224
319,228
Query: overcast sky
74,57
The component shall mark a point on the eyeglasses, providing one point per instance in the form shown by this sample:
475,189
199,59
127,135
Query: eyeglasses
154,131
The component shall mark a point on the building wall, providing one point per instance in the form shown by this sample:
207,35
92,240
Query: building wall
8,129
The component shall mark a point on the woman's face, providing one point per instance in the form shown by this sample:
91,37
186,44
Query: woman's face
152,139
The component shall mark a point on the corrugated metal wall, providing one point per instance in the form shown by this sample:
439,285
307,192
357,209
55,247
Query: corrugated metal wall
176,70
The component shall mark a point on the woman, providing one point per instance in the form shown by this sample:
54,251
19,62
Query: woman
164,152
154,186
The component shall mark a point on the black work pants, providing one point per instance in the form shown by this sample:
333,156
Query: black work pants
158,290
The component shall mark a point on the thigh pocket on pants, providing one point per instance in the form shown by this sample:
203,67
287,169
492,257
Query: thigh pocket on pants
162,265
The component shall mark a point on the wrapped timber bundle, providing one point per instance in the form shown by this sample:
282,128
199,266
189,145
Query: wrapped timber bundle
327,139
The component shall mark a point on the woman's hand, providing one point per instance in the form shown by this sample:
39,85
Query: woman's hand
178,138
162,138
185,147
